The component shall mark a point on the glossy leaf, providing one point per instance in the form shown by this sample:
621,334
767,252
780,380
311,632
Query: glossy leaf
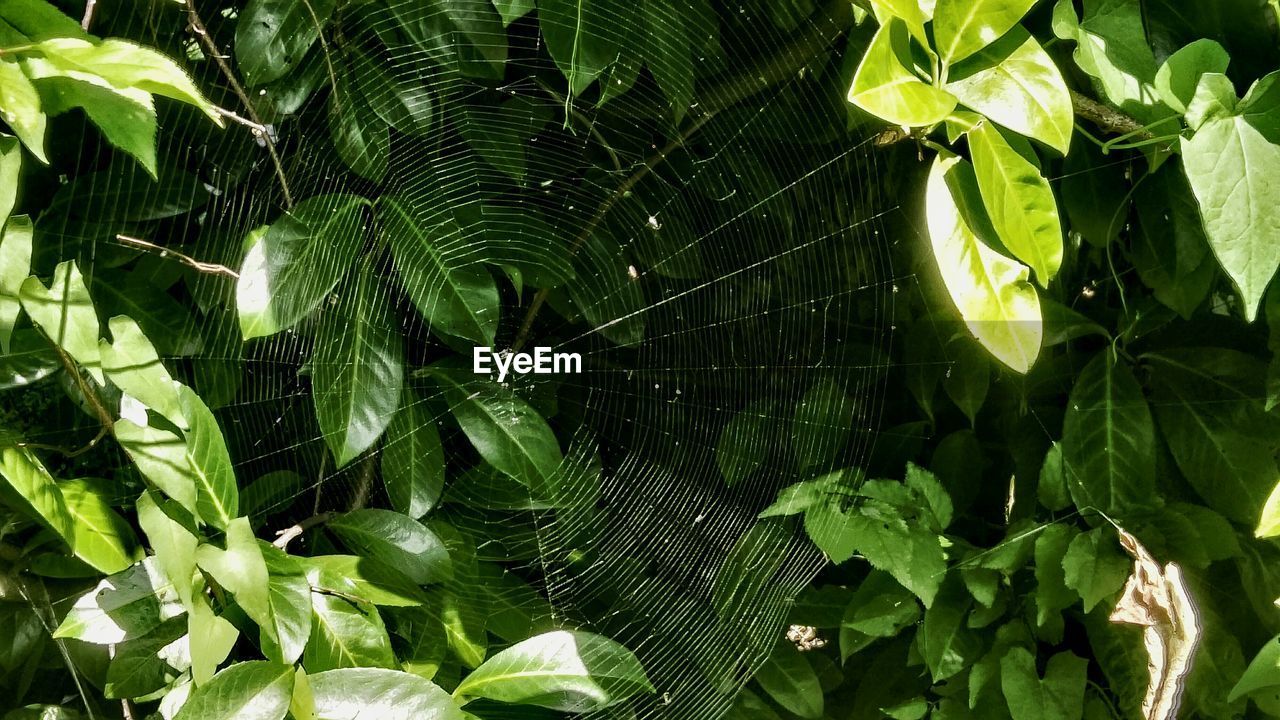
255,690
124,606
1019,202
345,636
357,367
364,578
583,36
131,362
456,296
174,545
20,105
993,296
241,570
507,432
1015,83
1178,77
99,536
963,27
289,594
290,268
397,541
886,87
272,36
355,693
32,489
412,458
562,670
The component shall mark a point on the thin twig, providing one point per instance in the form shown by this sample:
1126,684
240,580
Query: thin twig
784,65
197,27
285,536
204,267
87,20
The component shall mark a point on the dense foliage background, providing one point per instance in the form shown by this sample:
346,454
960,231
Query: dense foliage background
929,359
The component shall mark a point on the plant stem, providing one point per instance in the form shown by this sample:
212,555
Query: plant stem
198,29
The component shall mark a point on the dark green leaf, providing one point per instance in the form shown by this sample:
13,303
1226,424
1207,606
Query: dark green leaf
291,267
412,458
396,540
272,36
789,679
562,670
357,367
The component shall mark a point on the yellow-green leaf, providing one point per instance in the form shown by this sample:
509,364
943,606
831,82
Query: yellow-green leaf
963,27
991,291
1018,200
885,86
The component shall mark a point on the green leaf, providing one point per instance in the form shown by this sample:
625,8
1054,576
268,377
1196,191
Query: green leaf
217,497
1108,439
99,536
822,425
789,679
126,605
744,580
463,612
344,635
507,432
877,531
358,134
1112,47
1208,402
125,116
64,312
210,638
563,670
1169,249
993,296
1269,523
963,27
513,10
146,664
272,36
1060,695
126,65
174,545
886,87
1019,202
1233,169
357,367
355,693
946,644
1094,567
169,324
1177,78
20,107
162,457
1263,672
457,296
289,593
739,451
131,362
364,578
241,570
412,458
256,690
584,37
407,106
397,541
500,134
1015,83
880,608
33,490
291,268
968,377
15,242
1052,593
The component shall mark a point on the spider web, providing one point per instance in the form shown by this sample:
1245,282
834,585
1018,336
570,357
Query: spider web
645,541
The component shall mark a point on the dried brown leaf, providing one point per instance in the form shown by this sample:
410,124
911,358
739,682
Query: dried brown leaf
1156,599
